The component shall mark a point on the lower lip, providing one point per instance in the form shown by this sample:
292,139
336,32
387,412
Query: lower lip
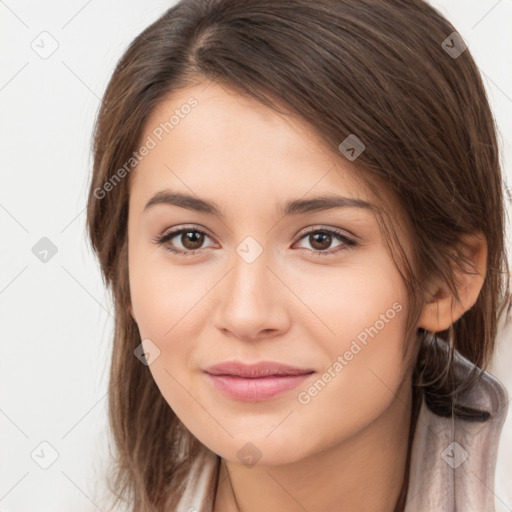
256,389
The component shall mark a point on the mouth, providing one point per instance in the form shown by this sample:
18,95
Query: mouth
255,382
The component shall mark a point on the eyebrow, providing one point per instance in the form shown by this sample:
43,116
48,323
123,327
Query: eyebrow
294,207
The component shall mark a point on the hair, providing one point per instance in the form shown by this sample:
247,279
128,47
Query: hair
370,68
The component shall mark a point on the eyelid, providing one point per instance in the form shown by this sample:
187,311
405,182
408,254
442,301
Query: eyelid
191,227
322,227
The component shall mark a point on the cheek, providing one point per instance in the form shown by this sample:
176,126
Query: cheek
163,305
363,315
163,296
355,301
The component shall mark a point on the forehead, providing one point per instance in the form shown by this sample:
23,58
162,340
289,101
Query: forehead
210,136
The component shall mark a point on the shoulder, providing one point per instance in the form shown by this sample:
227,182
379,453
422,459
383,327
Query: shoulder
453,459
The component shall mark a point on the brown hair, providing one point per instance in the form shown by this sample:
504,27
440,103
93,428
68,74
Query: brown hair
370,68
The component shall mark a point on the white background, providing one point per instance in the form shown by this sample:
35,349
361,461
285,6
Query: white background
56,318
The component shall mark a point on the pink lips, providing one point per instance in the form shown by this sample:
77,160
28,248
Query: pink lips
255,382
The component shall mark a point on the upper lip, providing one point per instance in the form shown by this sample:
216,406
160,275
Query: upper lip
260,369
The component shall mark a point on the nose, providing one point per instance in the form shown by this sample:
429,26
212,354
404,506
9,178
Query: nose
251,300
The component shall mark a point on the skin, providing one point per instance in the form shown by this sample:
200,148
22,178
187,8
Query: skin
346,449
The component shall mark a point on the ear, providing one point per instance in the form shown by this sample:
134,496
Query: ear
442,309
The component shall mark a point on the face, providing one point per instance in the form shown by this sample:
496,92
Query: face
261,273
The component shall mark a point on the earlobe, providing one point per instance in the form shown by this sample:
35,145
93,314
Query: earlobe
443,309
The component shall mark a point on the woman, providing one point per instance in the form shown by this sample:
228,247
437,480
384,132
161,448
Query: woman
298,207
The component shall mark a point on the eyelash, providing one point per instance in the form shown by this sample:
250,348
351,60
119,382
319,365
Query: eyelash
347,242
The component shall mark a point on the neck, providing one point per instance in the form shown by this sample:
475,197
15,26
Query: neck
365,472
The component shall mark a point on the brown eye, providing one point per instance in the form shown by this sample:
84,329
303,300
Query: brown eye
186,241
320,240
192,240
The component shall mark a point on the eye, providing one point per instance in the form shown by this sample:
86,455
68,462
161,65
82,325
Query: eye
322,239
189,240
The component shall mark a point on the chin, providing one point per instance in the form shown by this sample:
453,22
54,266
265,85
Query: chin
260,451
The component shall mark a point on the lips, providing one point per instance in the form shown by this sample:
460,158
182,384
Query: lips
255,382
